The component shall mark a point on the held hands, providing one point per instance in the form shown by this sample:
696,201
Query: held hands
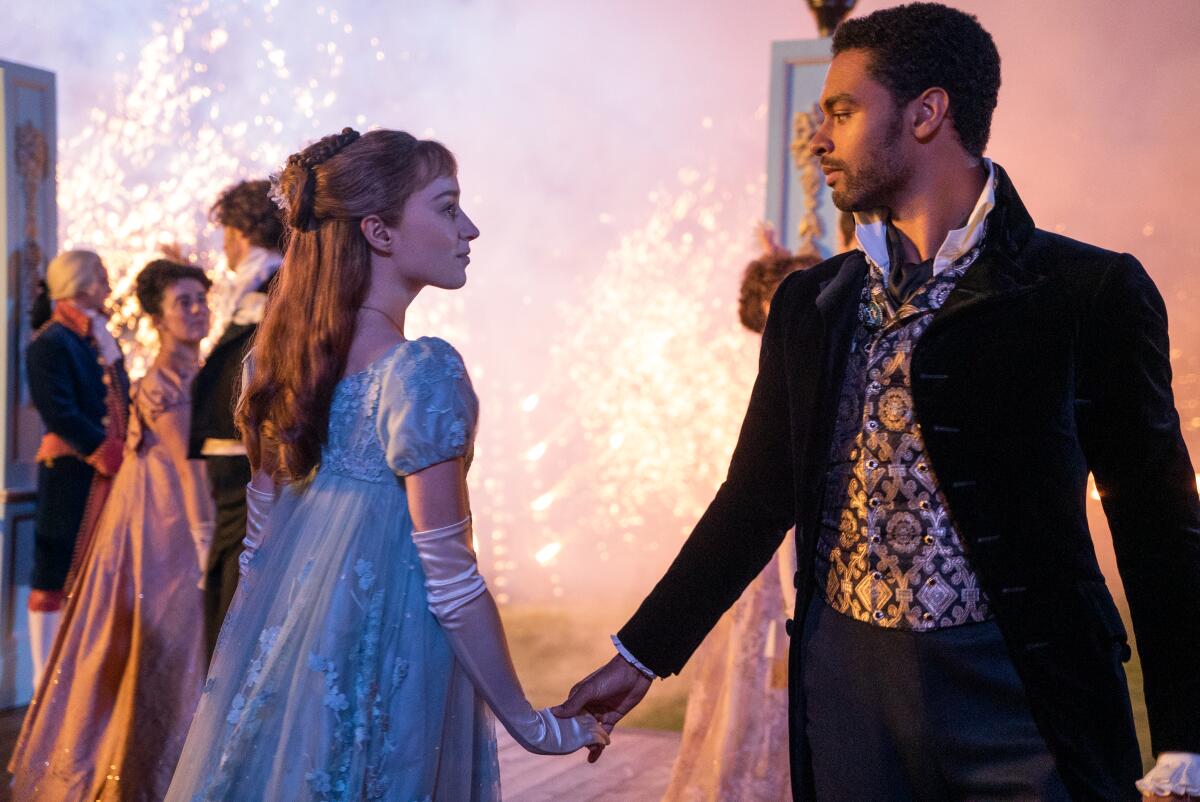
608,693
541,732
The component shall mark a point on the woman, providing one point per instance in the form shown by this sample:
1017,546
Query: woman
362,645
128,665
735,733
78,384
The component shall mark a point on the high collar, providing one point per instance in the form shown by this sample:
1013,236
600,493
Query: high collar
73,317
253,271
243,303
871,229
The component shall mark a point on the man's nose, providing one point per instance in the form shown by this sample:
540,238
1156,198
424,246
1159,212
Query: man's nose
819,145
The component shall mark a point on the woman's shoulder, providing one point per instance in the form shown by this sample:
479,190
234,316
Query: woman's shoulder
427,360
168,383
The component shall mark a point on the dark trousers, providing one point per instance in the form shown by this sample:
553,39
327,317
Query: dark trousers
227,476
899,715
62,494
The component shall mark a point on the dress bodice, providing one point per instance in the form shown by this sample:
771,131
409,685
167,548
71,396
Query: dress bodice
411,408
353,447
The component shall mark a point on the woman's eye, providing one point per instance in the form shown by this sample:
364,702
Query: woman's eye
452,211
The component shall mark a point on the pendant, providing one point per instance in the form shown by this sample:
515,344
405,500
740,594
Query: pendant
872,315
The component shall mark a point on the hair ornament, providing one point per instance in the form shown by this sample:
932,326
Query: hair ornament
315,154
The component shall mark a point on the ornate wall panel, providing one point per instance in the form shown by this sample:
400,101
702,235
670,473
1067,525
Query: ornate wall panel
28,225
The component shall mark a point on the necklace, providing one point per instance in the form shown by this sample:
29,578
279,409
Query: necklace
386,315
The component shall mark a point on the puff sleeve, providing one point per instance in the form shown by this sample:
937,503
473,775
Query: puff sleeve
163,390
427,408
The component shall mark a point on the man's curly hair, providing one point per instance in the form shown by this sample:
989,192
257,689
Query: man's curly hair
247,206
921,45
761,279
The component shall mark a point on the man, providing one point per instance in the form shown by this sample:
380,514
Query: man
926,413
78,384
253,232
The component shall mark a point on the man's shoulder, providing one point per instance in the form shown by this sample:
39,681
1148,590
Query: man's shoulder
809,281
54,338
1047,251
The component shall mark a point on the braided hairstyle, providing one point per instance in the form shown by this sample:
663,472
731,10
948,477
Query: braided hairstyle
302,345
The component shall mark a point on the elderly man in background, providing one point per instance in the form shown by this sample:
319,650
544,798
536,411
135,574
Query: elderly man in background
79,386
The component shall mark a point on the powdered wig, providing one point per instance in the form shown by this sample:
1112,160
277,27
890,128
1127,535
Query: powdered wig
303,342
70,273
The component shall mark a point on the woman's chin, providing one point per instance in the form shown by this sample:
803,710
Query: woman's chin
452,282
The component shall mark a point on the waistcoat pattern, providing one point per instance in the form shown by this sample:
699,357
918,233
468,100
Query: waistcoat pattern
888,553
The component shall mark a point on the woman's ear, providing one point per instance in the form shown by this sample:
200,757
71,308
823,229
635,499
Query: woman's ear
378,235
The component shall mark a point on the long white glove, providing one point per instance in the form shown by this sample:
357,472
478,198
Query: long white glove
459,599
202,538
258,507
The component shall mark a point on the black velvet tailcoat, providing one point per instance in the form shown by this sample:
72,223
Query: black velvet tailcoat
1048,360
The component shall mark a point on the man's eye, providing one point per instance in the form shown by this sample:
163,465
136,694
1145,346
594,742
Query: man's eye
840,116
452,210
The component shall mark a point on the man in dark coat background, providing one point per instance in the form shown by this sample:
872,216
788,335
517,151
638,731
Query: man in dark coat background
927,411
253,232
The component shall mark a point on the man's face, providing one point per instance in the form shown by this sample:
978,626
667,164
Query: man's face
236,246
93,295
860,141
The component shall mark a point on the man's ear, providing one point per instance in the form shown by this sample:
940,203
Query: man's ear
931,110
379,237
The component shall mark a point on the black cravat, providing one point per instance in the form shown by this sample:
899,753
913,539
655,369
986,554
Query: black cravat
904,278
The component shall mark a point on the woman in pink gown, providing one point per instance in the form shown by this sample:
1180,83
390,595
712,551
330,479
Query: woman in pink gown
110,716
735,733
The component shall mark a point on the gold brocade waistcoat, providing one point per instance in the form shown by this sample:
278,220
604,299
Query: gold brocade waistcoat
888,553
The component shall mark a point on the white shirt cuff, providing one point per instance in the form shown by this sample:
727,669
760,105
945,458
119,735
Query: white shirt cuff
633,661
1174,773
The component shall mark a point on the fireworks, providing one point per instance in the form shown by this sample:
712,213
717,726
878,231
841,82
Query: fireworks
181,126
648,387
600,446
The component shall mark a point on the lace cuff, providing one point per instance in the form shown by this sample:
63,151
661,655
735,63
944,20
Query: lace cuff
1175,773
633,661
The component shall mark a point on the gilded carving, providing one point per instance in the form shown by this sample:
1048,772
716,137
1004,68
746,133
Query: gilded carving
33,162
804,127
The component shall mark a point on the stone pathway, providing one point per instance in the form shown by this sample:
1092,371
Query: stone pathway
635,768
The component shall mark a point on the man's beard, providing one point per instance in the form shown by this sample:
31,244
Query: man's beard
873,184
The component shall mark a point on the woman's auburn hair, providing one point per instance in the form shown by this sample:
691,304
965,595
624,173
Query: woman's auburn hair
301,347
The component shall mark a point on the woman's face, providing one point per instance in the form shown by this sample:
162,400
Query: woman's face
434,237
185,315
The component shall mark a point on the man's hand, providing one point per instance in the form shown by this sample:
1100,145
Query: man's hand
608,693
107,458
